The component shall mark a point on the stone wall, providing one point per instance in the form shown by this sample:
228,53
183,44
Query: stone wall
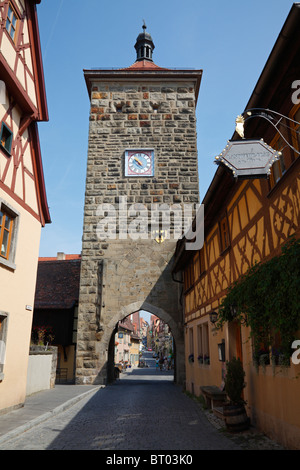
152,116
118,276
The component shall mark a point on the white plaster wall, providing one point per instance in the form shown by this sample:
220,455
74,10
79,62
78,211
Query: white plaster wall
38,373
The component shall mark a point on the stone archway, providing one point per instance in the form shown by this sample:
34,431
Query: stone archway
179,370
134,275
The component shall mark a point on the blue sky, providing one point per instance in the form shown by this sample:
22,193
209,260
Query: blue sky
229,41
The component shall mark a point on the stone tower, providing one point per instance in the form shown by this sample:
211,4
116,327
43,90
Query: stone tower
142,154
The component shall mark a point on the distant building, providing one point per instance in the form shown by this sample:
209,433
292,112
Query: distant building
23,202
56,308
161,337
127,343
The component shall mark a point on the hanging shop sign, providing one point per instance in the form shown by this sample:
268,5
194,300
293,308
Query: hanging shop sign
248,158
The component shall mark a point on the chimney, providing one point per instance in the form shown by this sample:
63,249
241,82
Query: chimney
61,256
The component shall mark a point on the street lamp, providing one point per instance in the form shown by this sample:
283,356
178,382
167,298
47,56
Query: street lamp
213,316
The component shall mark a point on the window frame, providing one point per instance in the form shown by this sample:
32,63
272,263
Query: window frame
203,343
9,261
296,128
285,161
5,128
4,316
202,265
191,341
4,230
8,19
222,234
279,166
189,276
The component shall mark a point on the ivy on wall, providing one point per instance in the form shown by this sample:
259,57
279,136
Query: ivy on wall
267,299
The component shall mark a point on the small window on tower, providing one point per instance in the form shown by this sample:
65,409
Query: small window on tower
11,22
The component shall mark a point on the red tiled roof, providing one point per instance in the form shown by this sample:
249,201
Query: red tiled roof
144,65
126,324
57,285
54,258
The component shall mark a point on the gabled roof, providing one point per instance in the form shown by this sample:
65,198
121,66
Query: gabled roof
38,62
32,113
57,285
39,112
126,324
42,104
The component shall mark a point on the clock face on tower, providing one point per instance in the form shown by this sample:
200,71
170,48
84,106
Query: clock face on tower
139,162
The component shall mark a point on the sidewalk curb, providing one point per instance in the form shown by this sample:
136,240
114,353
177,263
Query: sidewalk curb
39,419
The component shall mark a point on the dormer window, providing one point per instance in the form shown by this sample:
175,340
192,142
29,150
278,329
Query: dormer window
11,22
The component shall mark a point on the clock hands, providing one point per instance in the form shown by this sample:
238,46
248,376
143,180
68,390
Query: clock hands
138,161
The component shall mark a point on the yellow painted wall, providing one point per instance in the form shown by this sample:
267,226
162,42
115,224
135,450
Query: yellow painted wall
17,292
134,350
69,362
272,394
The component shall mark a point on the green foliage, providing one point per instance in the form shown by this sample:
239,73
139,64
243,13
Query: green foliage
234,381
42,335
266,298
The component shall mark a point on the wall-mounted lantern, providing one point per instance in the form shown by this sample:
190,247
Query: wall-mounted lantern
213,316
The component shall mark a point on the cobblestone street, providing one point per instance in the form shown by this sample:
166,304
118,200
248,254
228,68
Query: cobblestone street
144,410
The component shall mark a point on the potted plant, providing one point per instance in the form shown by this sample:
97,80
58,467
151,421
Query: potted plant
234,410
264,357
191,358
200,359
206,360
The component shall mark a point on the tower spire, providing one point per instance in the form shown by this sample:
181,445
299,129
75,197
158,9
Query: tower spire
144,45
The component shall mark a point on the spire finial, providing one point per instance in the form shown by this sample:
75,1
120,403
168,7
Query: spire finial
144,45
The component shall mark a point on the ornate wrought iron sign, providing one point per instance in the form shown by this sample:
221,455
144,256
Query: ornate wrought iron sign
248,158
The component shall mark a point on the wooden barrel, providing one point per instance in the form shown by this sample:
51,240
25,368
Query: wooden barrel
236,418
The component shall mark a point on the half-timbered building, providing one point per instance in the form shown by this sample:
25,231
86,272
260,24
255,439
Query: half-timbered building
23,202
247,222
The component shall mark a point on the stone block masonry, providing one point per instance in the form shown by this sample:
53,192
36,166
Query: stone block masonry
143,116
119,277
